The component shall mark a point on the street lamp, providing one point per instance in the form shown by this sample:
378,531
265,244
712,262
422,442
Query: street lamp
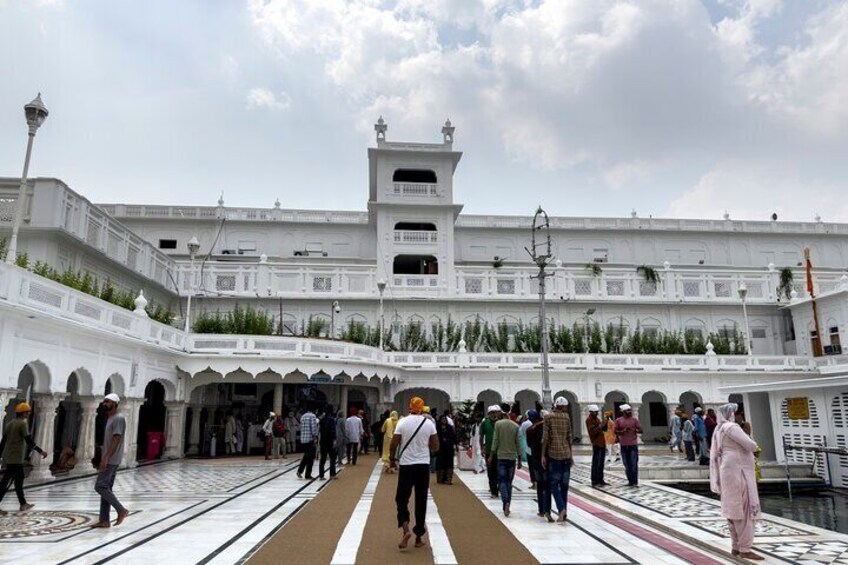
35,113
743,295
381,287
193,246
588,313
336,309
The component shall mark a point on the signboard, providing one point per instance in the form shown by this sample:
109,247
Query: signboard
798,408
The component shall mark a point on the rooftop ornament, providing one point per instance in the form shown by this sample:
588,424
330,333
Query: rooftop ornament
381,127
447,132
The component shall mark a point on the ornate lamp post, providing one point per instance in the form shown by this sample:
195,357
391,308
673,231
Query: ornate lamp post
193,246
336,309
743,295
35,113
381,287
540,252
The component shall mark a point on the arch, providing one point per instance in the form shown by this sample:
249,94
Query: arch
417,319
85,382
573,412
115,383
649,322
488,397
435,398
689,400
415,265
415,226
427,176
653,414
526,400
613,400
151,420
289,324
37,377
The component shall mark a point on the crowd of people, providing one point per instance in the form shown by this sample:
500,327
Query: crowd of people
422,443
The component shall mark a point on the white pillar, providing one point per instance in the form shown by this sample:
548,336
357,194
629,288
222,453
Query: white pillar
86,440
174,429
194,433
130,408
581,425
278,398
343,399
45,406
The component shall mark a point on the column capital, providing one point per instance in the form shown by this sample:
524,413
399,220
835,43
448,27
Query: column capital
48,401
90,401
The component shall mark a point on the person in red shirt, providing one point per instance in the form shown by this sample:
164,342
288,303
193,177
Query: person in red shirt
627,428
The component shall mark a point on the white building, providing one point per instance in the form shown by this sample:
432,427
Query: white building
64,348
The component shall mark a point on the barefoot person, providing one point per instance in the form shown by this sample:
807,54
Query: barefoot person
414,439
732,476
113,454
13,447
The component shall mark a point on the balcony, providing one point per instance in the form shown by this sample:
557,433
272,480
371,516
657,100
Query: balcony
424,189
416,237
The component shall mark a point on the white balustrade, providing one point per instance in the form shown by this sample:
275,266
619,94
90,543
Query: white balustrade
415,189
416,237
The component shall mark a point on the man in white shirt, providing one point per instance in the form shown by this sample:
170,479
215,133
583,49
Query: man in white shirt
415,436
353,433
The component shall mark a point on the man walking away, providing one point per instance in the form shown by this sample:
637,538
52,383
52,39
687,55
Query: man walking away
278,441
596,430
507,449
13,447
627,428
327,442
309,441
701,431
556,454
113,454
341,438
676,432
487,435
688,435
534,462
267,431
415,437
353,433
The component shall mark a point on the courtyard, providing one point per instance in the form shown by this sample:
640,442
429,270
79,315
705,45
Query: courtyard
248,510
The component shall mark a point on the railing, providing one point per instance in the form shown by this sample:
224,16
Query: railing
22,288
94,227
415,237
655,224
415,189
608,362
239,214
212,344
615,284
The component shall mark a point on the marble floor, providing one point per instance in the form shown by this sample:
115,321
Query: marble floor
176,505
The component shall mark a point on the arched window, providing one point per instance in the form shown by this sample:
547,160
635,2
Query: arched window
414,175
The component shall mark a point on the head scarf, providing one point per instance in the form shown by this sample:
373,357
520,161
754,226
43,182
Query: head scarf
394,415
416,405
726,413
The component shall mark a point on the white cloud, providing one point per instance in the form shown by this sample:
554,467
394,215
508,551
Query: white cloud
264,98
622,174
755,190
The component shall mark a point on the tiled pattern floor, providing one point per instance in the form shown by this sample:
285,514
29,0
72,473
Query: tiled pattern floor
763,528
808,552
174,507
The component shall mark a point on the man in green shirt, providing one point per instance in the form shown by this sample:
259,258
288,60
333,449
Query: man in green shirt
487,434
506,451
13,448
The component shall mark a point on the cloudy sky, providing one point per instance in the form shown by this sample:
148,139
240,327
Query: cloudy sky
588,107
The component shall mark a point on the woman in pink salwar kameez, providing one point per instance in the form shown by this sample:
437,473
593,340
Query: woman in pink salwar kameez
733,477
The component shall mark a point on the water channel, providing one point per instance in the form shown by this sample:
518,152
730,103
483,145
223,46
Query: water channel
822,507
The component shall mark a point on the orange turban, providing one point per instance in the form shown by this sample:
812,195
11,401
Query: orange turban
416,405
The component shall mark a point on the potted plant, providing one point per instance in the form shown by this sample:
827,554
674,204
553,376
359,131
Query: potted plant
784,287
594,268
464,419
649,273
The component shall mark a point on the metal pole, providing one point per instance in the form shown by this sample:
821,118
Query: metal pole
332,321
750,346
381,320
788,475
190,294
547,401
12,252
